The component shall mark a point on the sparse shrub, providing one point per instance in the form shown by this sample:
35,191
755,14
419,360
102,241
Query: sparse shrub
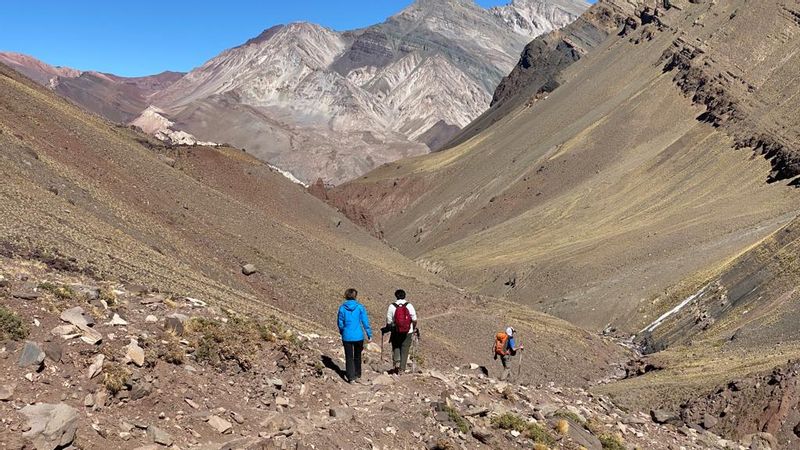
238,340
461,423
562,426
611,441
443,444
11,326
115,378
539,434
319,369
595,426
564,414
418,358
510,421
107,294
533,431
62,292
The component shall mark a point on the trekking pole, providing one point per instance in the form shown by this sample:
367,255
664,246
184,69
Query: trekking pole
519,368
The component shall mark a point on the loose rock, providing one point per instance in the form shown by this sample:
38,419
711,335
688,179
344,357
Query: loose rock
96,367
32,355
221,425
249,269
50,426
159,436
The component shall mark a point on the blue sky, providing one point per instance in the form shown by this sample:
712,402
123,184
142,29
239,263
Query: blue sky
148,36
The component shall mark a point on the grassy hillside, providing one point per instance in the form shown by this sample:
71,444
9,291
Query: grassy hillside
640,170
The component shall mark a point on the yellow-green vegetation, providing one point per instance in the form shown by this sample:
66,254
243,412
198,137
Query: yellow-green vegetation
564,414
107,294
236,341
611,441
62,292
11,326
115,378
172,352
562,426
461,423
534,431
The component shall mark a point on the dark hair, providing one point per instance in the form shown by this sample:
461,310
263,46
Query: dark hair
350,294
400,294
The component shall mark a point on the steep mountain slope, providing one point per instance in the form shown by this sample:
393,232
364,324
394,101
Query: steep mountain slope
119,99
334,105
637,172
539,68
86,196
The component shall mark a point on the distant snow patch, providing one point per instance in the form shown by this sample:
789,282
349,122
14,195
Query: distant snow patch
650,328
288,175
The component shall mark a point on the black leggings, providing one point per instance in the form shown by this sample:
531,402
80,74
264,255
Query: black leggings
352,357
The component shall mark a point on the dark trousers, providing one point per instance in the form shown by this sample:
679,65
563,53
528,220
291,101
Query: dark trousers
352,357
401,343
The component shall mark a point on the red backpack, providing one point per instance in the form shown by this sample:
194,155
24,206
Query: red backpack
402,318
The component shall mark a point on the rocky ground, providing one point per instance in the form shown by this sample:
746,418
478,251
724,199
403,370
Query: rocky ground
93,364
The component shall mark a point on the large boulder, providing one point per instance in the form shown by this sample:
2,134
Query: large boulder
50,426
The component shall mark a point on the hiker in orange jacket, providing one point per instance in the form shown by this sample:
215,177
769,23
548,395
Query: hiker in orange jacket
505,347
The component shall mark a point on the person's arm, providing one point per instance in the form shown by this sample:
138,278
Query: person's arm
365,322
390,315
413,313
341,321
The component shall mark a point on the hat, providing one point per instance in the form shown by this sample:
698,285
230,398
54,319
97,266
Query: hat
510,331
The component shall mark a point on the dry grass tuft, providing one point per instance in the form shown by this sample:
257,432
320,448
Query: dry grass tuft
11,326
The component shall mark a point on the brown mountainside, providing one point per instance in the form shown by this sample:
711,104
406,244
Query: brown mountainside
639,172
184,220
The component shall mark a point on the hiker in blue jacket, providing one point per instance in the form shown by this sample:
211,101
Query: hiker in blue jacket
352,317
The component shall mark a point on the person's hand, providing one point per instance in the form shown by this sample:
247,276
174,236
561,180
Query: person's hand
521,347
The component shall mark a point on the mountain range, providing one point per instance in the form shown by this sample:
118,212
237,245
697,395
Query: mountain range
326,104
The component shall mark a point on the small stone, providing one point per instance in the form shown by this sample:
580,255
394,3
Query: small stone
473,366
282,401
96,367
32,355
135,353
76,316
340,413
221,425
174,324
100,399
151,319
238,418
24,294
117,321
277,382
53,351
141,390
88,401
383,380
191,403
661,416
65,330
159,436
515,433
249,269
91,336
6,392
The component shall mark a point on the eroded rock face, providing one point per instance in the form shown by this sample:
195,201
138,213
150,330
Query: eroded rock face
750,409
51,426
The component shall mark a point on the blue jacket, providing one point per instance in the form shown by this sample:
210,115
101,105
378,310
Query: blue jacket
352,316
